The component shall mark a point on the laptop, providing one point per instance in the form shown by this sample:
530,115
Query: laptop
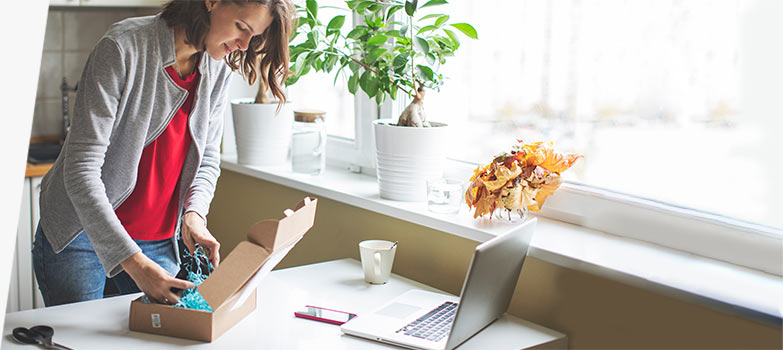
421,319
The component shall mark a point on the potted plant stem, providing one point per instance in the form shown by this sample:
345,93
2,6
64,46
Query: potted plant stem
393,51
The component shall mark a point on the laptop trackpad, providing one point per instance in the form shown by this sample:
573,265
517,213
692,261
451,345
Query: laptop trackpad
398,310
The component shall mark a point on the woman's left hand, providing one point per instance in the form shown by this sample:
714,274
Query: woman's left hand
194,230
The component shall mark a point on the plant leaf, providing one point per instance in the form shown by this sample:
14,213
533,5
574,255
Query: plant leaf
356,33
372,85
363,6
375,54
427,29
313,38
442,19
425,71
453,37
410,6
430,58
335,24
466,29
305,70
433,15
318,65
312,8
393,33
422,45
374,8
353,81
377,39
306,21
392,10
363,80
400,60
298,66
329,63
434,3
354,66
351,3
292,79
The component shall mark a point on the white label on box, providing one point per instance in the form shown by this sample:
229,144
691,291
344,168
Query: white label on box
155,320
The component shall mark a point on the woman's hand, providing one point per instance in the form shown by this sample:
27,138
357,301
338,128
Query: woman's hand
194,230
152,279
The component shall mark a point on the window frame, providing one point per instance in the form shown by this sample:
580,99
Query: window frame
718,237
356,154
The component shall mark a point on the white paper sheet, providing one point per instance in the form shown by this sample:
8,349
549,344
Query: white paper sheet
265,269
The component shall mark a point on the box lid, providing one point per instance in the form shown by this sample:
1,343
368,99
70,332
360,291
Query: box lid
263,238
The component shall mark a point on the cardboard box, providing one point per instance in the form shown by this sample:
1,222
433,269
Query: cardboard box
222,289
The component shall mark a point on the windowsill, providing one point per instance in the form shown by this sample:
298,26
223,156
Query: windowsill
731,288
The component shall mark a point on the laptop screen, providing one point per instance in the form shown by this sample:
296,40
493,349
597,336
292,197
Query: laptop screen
490,282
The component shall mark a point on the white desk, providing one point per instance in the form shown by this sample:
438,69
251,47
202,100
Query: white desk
337,284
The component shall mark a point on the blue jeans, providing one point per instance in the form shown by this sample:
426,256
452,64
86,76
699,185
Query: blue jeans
76,274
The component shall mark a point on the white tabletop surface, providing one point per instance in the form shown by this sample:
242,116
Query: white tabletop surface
337,284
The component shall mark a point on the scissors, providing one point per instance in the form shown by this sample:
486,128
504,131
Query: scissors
37,335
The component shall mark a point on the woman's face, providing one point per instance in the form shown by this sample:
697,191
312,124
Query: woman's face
233,25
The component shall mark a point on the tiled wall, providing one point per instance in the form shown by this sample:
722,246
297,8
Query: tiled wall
70,36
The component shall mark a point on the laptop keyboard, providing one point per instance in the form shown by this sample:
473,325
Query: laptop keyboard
435,325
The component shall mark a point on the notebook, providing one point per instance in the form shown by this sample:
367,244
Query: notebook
421,319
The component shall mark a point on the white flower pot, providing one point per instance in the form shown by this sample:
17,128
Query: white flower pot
263,136
407,157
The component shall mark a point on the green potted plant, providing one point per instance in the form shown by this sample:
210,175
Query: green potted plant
393,51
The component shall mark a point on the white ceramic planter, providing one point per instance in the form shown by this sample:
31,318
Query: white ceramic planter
407,157
263,136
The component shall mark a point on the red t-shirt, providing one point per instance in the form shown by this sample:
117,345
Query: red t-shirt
150,212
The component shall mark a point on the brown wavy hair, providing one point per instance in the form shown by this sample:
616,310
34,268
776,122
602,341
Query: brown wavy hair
267,54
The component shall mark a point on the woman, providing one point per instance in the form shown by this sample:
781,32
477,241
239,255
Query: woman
142,157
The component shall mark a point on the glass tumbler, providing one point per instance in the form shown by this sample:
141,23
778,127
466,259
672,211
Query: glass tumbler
444,195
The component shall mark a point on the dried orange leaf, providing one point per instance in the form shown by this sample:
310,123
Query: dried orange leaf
472,192
503,175
484,206
511,197
528,196
557,162
480,170
548,187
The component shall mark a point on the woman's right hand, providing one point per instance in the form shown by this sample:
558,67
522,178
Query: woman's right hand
152,279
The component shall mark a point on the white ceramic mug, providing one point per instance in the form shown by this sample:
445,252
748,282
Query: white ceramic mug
377,259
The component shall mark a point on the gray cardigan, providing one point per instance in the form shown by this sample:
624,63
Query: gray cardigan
125,100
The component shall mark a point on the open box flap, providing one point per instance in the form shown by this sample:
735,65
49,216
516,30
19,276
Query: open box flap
264,238
289,229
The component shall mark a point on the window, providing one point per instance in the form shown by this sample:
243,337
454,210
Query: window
322,91
347,117
671,102
656,95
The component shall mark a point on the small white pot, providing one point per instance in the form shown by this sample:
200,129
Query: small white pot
407,157
263,136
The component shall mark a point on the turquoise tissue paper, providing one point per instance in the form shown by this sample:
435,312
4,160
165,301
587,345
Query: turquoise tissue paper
195,268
